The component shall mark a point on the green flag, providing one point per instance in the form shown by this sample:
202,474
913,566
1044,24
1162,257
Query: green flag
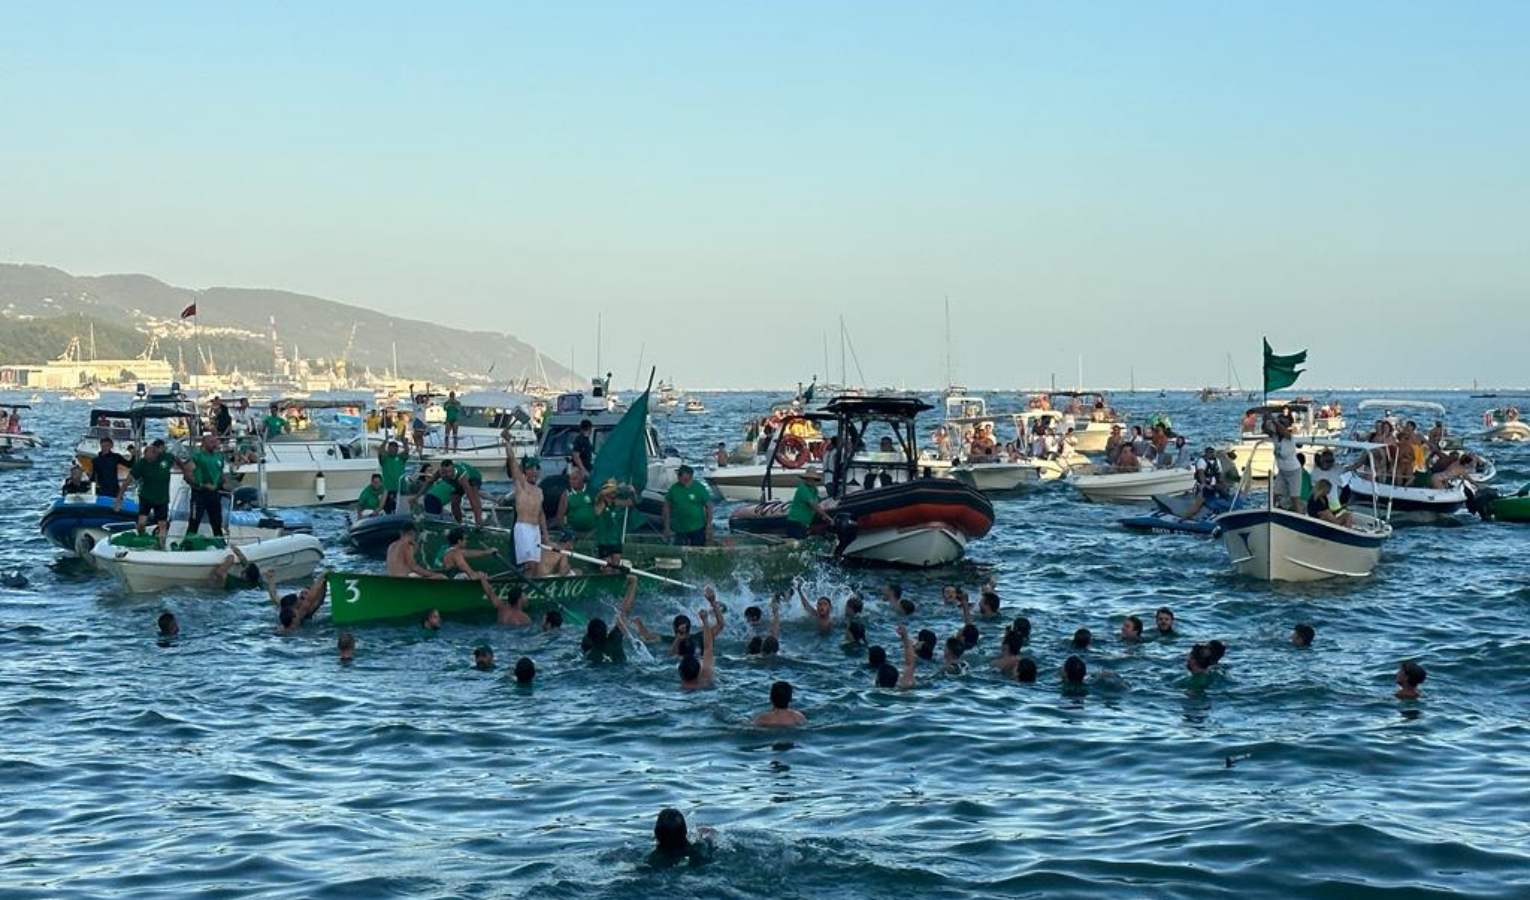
624,453
807,395
1281,371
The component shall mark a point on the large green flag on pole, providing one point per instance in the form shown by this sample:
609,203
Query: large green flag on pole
1281,371
624,453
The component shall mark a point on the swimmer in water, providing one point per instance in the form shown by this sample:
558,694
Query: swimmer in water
1164,620
988,604
552,620
855,638
769,643
780,715
1131,629
822,612
1081,639
673,845
1302,635
696,674
1073,673
888,676
294,610
1409,676
1025,670
483,659
511,611
167,624
1021,626
525,671
430,623
924,647
1009,653
345,645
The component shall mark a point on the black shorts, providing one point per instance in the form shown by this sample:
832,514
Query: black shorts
154,512
796,530
606,551
433,505
697,538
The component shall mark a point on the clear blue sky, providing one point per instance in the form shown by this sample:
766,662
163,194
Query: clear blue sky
1149,185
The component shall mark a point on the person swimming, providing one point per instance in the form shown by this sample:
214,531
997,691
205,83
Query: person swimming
1302,635
483,659
1025,670
1163,620
525,671
1131,629
345,646
1081,639
1073,673
672,842
1409,676
780,715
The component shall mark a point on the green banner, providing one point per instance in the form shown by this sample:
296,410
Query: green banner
1281,371
624,453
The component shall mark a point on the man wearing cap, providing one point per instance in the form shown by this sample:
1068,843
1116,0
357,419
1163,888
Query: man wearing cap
611,506
804,509
688,511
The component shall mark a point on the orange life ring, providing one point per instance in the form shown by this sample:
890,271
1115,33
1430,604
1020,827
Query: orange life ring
792,452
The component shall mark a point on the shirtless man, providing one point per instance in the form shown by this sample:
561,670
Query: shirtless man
401,562
781,714
456,560
530,519
235,573
512,610
822,612
697,674
295,609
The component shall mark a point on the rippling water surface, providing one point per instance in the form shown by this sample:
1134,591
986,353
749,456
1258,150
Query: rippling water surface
236,763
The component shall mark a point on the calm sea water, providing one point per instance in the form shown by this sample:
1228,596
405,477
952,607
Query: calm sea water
235,763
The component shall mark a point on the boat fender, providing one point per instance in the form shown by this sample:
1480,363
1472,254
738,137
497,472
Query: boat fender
318,485
792,452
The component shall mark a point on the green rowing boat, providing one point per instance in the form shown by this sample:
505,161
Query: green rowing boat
763,562
356,597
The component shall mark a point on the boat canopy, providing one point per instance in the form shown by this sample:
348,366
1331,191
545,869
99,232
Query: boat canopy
1382,403
14,406
1095,394
493,400
1338,443
1278,406
888,407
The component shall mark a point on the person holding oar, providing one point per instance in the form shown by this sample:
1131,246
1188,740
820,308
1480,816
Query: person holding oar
455,560
611,508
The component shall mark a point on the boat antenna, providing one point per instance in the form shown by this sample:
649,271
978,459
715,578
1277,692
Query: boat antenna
950,371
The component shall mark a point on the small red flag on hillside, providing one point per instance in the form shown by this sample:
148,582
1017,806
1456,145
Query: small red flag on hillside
189,311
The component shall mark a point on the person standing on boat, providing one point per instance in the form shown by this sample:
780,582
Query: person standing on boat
611,508
273,424
451,439
1286,480
204,475
530,531
805,508
106,470
417,424
392,462
584,445
688,510
152,473
576,508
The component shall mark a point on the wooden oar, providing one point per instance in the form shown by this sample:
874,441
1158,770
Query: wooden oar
626,567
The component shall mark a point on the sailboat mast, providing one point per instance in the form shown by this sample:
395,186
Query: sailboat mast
950,372
843,378
1080,373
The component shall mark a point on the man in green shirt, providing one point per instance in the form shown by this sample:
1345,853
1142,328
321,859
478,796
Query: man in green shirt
204,473
576,508
610,508
392,462
152,473
688,510
273,424
451,441
370,503
804,507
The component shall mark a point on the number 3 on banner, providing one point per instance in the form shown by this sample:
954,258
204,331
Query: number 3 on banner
352,590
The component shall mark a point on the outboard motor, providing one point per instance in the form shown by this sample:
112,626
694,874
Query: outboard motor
1480,502
846,530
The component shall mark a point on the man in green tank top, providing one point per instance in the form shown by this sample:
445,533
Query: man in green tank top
451,441
611,508
576,508
688,510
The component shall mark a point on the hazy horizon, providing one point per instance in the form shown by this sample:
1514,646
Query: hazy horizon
1150,188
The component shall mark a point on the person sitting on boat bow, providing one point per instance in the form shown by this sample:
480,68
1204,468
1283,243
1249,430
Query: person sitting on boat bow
456,557
401,556
1318,506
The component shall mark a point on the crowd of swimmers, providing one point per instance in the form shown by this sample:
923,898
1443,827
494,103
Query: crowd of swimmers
692,646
